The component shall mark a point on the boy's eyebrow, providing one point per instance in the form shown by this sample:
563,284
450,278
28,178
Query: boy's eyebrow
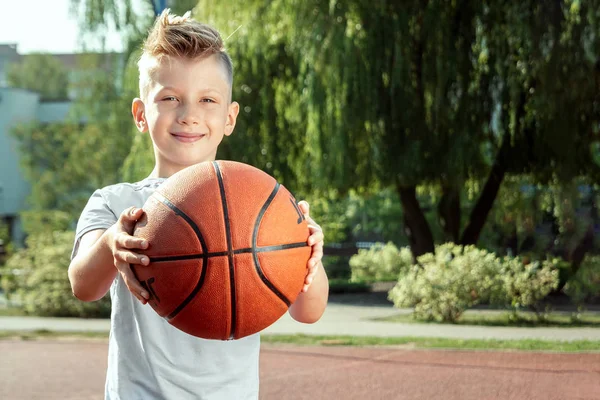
174,89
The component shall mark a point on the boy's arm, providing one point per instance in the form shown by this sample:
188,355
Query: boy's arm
311,302
310,305
104,253
91,271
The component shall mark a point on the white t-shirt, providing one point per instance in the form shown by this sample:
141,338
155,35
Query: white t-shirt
147,357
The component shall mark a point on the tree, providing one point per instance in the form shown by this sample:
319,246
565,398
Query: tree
132,24
425,93
385,91
414,94
65,162
41,73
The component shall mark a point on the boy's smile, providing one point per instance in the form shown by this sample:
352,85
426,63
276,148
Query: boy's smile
187,111
187,137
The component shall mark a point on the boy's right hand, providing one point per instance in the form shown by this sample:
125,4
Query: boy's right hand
121,243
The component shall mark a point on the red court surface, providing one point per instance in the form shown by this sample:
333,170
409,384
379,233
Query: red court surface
71,369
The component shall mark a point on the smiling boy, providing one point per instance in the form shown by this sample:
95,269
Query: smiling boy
185,105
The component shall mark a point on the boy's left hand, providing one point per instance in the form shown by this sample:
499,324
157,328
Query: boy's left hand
315,240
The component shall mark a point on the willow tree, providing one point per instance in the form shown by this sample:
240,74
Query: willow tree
385,92
345,94
418,93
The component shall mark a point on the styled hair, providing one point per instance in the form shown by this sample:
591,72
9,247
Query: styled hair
180,37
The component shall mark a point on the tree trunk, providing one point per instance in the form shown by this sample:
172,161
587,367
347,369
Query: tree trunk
511,241
577,255
486,200
416,226
449,213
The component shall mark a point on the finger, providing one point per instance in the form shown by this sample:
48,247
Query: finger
127,241
130,257
131,282
304,207
311,275
316,237
316,256
312,225
306,286
312,270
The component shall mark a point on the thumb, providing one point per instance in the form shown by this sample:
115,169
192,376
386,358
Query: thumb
130,216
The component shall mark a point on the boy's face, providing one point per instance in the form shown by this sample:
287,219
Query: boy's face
187,112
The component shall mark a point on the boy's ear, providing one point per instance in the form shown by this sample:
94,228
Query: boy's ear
232,113
138,111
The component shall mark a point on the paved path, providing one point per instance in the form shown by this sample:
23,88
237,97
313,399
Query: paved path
70,369
75,370
342,319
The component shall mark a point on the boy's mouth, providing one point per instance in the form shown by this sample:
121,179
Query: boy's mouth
187,137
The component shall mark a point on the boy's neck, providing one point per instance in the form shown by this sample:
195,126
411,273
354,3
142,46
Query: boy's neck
158,172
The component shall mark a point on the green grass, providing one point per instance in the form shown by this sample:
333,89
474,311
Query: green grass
408,342
504,318
47,334
437,343
12,312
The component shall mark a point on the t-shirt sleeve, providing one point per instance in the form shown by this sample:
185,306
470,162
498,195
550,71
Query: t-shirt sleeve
97,214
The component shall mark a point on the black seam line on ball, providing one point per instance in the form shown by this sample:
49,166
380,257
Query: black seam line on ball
196,230
229,250
265,249
255,249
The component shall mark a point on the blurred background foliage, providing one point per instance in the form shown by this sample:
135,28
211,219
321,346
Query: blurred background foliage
413,123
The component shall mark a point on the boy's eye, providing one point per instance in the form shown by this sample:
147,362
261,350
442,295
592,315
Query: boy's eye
207,101
170,98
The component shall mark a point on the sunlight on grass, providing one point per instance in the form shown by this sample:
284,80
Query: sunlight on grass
331,340
505,318
47,334
11,312
436,343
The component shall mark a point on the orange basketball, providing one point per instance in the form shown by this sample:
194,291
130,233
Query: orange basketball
228,250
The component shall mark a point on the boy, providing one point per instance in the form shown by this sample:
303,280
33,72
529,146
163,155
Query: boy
185,105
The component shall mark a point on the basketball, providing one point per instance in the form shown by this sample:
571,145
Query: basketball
228,250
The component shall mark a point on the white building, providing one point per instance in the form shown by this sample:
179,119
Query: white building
22,106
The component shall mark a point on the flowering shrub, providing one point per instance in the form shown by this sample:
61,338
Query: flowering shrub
382,262
524,285
445,284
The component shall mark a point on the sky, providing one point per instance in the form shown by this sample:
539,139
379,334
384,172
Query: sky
43,26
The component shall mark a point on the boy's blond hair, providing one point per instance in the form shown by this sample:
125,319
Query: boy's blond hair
179,37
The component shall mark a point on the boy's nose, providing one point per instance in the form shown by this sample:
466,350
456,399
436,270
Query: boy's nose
188,116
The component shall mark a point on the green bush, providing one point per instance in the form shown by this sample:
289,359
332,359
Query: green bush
381,262
525,285
37,277
445,284
584,286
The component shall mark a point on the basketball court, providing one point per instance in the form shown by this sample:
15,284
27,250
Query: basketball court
75,369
